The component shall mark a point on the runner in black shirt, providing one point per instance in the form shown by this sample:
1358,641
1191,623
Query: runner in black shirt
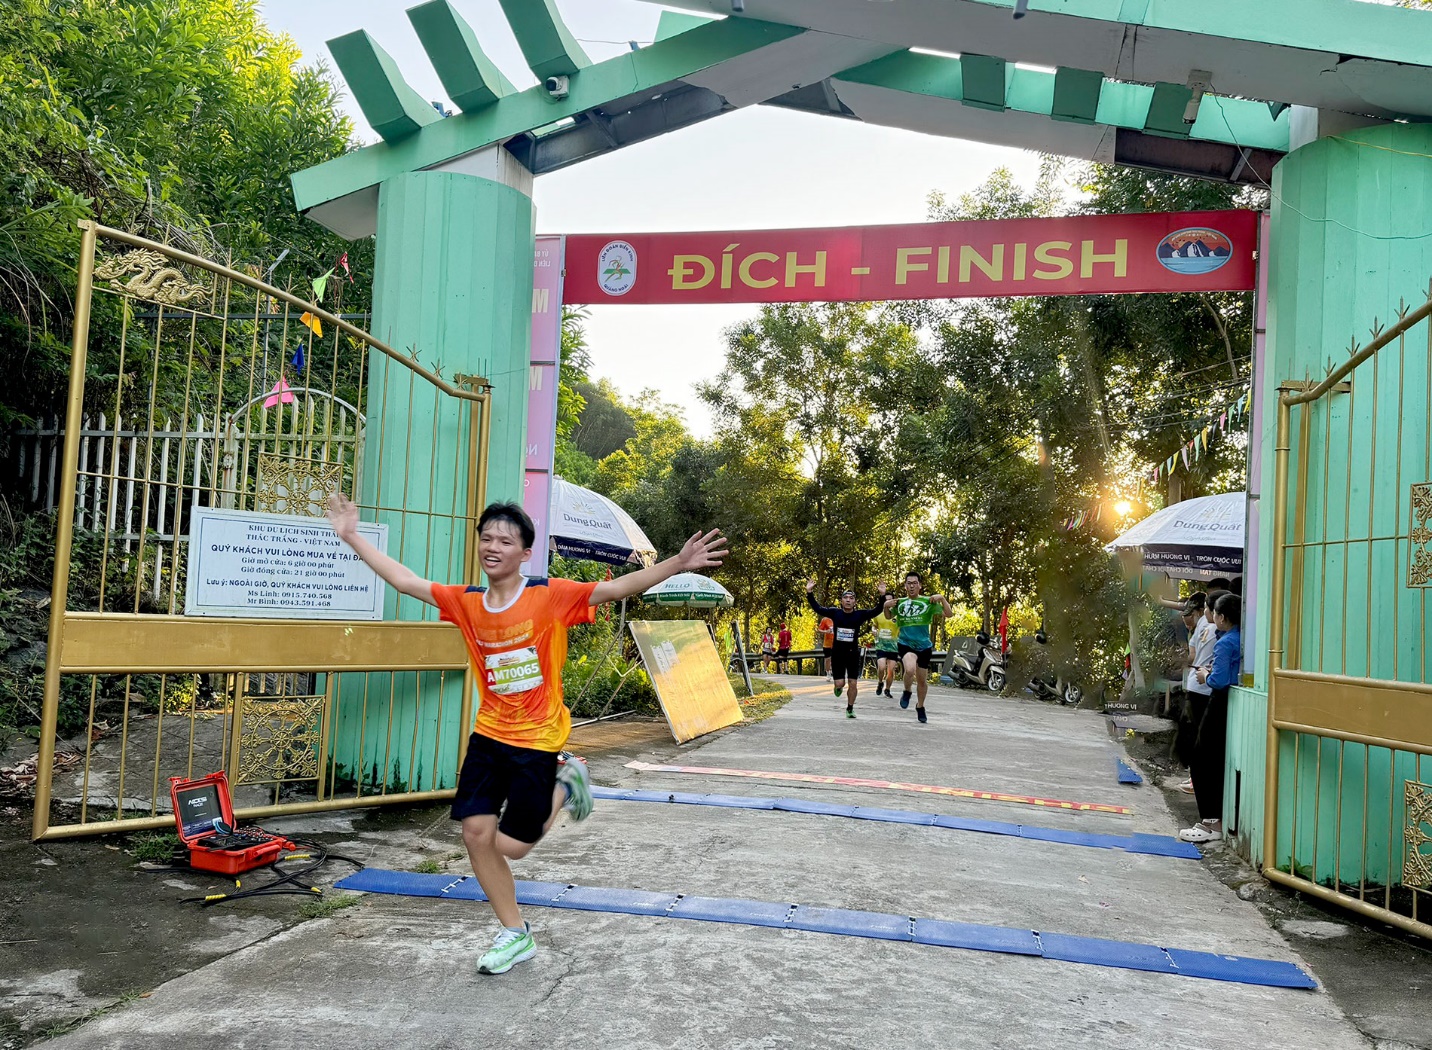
845,657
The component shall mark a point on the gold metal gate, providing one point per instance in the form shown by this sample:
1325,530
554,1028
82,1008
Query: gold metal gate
1348,802
207,388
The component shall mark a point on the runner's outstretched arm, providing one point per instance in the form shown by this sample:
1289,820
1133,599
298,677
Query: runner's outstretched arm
700,552
870,614
821,610
343,515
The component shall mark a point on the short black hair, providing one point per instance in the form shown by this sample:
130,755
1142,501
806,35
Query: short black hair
1230,607
512,513
1237,585
1195,601
915,574
1218,583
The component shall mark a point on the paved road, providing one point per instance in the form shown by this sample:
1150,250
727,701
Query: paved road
399,972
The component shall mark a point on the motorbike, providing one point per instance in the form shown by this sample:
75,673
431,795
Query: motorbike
1054,687
984,669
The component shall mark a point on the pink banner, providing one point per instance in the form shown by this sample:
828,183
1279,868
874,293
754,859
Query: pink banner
542,393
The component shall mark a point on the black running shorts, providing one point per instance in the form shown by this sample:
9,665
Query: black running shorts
515,783
922,656
845,662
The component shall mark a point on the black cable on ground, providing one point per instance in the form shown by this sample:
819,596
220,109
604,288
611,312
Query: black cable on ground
285,881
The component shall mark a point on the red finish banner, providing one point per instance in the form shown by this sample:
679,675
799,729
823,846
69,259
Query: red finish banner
1210,251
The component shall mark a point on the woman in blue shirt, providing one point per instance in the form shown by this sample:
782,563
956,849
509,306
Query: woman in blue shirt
1210,748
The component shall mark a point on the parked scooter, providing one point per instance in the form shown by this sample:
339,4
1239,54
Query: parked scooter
983,670
1054,687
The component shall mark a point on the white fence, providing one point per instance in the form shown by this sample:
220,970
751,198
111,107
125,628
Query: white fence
137,481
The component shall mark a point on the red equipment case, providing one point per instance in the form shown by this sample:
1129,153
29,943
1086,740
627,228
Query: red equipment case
198,804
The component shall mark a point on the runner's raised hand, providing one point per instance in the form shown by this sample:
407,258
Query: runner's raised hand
342,514
810,586
702,552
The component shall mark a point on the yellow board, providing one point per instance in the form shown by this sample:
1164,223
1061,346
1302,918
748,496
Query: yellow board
691,684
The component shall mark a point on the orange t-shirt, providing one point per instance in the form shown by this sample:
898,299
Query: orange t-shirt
518,654
826,627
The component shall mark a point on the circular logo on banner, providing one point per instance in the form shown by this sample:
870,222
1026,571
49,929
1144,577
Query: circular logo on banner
1194,250
616,268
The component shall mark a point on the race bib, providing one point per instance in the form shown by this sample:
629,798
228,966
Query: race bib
884,634
515,671
845,634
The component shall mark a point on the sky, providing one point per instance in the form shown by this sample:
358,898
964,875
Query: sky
757,168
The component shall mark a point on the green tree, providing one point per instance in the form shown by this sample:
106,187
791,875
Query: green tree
814,391
177,119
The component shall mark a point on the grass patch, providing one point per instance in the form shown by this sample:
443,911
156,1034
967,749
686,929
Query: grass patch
429,867
322,907
65,1027
457,854
770,697
155,846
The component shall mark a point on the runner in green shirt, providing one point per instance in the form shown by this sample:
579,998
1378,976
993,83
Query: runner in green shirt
914,613
886,657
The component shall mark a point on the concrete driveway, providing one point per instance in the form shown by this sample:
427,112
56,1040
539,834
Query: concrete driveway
399,972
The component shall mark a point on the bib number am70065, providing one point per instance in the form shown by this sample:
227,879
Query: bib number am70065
515,671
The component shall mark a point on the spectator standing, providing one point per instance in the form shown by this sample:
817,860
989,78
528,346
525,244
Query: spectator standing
1211,746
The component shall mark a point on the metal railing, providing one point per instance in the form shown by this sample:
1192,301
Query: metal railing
204,387
1348,811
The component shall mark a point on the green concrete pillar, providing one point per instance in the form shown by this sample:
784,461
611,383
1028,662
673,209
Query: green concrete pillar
1350,213
453,281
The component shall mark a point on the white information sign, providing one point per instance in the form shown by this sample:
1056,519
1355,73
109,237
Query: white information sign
277,566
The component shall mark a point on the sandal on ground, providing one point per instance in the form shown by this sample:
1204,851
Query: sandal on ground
1203,831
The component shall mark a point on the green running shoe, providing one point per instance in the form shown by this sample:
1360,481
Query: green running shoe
572,775
508,949
839,689
850,712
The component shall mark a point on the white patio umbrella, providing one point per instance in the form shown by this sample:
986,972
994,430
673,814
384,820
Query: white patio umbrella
690,589
586,525
1198,539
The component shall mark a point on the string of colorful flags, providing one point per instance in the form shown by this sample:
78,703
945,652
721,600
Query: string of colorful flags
282,393
1190,452
1092,514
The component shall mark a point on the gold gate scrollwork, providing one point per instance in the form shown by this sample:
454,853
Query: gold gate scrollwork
291,485
1419,537
280,739
1417,866
155,277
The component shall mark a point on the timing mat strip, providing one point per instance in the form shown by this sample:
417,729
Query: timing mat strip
888,785
1094,951
1153,845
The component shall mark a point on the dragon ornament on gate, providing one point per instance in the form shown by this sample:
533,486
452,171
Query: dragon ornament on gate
154,278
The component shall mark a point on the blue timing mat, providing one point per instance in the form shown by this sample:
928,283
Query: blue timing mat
1127,774
1093,951
1153,845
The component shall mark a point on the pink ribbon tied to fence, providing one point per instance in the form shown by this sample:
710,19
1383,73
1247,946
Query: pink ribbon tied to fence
281,392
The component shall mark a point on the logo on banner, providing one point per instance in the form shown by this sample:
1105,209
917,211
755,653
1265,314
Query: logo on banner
1195,250
616,268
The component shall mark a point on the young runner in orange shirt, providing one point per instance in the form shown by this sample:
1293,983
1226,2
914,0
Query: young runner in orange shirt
515,778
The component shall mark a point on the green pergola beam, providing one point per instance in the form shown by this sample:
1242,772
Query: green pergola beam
1374,31
550,50
669,23
628,74
1232,121
985,81
1166,109
1076,95
468,75
393,108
